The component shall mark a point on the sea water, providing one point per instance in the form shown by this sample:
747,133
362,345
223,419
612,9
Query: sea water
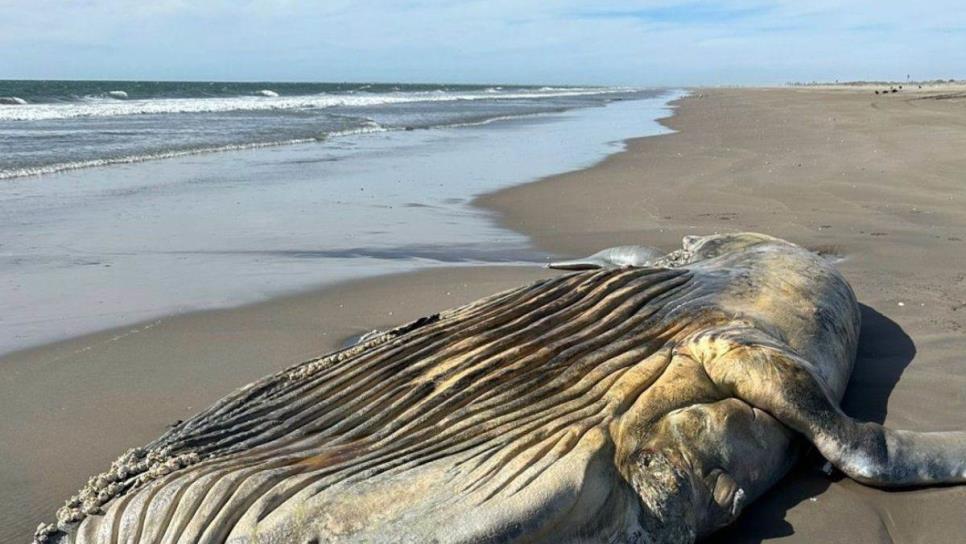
50,126
125,214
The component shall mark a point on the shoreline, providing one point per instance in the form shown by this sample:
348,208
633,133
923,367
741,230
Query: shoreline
95,249
799,164
477,202
503,205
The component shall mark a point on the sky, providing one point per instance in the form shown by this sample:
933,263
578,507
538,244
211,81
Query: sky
653,43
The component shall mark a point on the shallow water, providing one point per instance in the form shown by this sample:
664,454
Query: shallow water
90,249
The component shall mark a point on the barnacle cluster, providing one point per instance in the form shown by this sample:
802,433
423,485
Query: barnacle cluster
133,469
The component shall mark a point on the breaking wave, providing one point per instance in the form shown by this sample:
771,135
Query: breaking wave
264,100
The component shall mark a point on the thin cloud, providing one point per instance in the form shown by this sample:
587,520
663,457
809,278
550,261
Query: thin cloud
635,42
687,13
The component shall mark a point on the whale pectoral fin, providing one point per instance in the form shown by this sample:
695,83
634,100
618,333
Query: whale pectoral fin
586,263
781,384
612,257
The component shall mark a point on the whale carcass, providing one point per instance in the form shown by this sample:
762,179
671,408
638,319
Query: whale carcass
646,403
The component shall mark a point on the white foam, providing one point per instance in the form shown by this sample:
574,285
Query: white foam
12,101
117,94
267,92
499,119
92,163
107,108
369,128
76,165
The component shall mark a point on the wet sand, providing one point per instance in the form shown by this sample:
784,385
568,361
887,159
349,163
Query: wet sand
876,180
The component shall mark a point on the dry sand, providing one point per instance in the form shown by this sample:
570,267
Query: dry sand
877,180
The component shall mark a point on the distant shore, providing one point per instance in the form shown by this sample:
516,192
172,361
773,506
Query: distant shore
874,181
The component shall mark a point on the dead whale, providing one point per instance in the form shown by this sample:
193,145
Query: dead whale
642,404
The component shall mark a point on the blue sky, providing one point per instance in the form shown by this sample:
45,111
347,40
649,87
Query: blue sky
492,41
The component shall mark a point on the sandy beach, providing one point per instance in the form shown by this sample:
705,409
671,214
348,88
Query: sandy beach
877,182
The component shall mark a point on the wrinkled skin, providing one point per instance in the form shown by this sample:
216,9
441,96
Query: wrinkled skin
645,403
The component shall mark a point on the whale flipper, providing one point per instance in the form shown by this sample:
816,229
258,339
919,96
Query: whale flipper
613,257
778,382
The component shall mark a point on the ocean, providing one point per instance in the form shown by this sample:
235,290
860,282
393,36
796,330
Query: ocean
51,126
118,209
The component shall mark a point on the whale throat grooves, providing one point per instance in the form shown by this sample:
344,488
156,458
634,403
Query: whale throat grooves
492,389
